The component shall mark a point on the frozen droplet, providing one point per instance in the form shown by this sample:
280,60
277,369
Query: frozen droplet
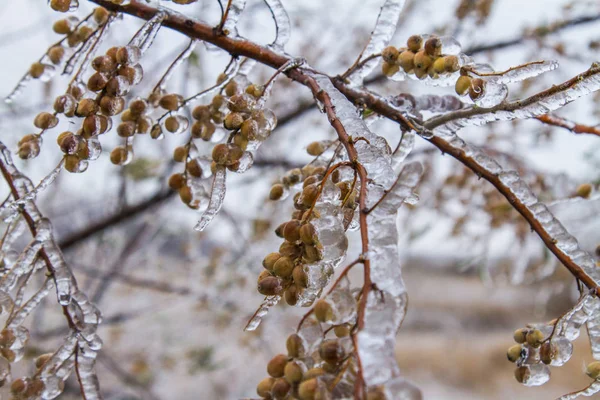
263,309
562,350
534,375
216,199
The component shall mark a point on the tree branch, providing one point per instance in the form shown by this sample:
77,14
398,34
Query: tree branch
569,125
241,47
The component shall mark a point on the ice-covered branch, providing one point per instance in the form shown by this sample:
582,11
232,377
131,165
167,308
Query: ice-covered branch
574,127
536,105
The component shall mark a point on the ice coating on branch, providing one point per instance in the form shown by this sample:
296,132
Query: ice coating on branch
23,312
569,324
523,72
187,52
10,210
386,306
19,87
593,326
550,100
230,72
263,309
234,11
510,180
145,36
384,30
282,23
85,364
376,341
88,50
217,195
291,64
433,103
83,317
589,391
406,145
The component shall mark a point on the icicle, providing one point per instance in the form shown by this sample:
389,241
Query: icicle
385,27
533,106
282,23
10,210
263,309
407,142
589,391
376,340
593,327
145,36
246,66
20,316
217,195
235,10
386,306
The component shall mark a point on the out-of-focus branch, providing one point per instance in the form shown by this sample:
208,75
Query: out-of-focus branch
124,376
569,125
123,215
127,213
537,32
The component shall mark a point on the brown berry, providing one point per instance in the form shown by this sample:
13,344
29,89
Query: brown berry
270,260
270,286
193,168
433,47
276,365
414,43
171,102
45,120
390,54
283,267
294,345
323,311
176,181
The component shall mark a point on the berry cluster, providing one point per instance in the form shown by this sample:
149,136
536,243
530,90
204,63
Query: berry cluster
240,112
285,271
421,58
115,73
36,386
308,375
536,348
73,102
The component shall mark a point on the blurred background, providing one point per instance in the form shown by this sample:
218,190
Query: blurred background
175,301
